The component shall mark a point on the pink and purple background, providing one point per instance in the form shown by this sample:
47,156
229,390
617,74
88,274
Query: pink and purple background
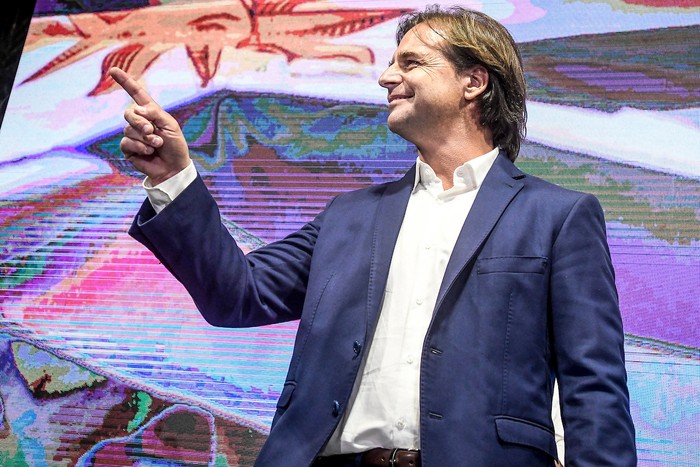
106,359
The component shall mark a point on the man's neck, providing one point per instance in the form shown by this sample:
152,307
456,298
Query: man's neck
445,158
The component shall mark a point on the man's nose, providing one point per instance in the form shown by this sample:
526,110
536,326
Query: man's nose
390,77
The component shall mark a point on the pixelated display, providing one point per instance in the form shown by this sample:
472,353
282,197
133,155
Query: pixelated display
105,358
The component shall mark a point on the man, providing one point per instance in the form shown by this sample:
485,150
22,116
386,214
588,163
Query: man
435,310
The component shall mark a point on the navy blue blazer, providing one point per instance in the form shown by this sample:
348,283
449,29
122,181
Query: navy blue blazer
528,294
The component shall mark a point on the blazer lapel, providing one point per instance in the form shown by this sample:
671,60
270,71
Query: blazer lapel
500,186
390,213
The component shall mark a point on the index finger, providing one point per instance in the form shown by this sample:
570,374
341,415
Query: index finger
134,89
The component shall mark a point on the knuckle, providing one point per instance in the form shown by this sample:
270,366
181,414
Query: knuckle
130,132
130,146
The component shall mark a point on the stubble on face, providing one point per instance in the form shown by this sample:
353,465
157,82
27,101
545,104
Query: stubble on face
425,93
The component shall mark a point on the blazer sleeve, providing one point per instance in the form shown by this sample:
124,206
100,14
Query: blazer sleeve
588,343
230,289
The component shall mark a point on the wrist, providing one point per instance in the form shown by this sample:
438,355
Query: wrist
156,180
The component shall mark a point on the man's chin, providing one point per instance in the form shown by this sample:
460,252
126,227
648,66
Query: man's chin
398,126
393,128
394,121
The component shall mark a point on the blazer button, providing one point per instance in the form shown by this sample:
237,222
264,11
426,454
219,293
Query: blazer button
336,408
356,347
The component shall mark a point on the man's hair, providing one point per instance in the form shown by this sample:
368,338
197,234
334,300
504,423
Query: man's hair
473,38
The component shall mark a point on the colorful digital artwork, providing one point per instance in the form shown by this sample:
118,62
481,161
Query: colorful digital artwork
106,360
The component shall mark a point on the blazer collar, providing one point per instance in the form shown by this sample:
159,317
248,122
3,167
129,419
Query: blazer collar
501,185
388,220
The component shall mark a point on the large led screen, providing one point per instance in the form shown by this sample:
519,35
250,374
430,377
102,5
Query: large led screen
106,360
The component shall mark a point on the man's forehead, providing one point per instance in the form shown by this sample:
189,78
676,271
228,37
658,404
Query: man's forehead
419,40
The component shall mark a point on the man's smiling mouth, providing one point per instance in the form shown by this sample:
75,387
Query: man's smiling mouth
397,97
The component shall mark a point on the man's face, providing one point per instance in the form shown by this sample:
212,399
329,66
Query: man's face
425,93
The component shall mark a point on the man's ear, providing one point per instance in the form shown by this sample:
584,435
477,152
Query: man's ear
475,80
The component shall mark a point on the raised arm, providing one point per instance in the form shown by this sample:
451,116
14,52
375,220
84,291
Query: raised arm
230,289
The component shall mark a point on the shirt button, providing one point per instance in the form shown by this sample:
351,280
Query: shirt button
419,301
400,424
428,246
409,360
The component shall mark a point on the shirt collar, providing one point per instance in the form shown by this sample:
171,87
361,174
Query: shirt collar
469,176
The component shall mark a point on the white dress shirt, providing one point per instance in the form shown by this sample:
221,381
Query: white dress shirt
384,408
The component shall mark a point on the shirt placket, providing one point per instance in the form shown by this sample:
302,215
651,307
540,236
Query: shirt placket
419,311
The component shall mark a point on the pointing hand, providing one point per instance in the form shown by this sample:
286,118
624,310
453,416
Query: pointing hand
153,141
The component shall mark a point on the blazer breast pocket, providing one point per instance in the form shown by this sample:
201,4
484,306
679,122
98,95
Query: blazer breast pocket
512,264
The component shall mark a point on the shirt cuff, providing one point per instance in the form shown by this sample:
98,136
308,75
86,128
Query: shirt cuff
165,193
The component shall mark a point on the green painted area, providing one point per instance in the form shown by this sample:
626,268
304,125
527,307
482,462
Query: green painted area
48,373
142,401
668,206
11,458
220,461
